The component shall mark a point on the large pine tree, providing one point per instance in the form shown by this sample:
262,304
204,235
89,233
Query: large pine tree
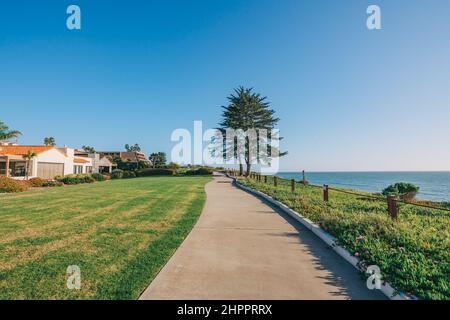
248,111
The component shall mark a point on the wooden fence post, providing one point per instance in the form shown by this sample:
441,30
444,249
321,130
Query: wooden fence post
292,185
325,192
304,178
275,181
392,207
265,179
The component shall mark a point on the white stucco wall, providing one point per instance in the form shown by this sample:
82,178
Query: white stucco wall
51,156
59,156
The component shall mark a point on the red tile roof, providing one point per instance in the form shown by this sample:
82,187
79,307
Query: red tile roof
79,160
23,150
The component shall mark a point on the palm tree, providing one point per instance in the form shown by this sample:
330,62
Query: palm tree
6,134
29,156
49,141
89,149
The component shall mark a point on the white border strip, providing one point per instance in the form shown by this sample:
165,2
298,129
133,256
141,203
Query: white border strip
326,237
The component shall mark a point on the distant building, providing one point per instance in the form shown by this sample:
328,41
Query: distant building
126,156
49,162
100,163
8,143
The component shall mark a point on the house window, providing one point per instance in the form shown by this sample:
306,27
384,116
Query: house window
2,168
17,168
77,169
89,169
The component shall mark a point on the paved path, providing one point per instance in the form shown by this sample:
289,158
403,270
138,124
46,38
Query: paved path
241,248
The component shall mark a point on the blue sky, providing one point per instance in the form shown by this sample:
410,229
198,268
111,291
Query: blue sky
348,98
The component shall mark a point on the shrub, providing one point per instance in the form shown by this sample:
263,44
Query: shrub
87,178
76,179
69,179
37,182
200,172
128,174
404,190
154,172
117,174
98,177
51,183
8,185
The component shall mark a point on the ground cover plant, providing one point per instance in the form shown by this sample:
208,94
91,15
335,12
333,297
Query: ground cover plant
119,233
413,253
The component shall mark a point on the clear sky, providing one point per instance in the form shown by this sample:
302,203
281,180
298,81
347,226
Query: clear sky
348,98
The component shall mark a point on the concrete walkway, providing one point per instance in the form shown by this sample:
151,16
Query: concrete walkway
241,248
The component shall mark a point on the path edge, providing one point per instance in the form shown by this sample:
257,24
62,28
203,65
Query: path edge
141,295
331,241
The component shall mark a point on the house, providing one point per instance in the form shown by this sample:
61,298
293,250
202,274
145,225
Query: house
100,163
126,156
49,162
8,143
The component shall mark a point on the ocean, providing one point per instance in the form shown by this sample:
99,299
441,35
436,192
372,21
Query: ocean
433,185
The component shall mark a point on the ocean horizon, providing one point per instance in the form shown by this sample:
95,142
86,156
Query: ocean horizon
434,185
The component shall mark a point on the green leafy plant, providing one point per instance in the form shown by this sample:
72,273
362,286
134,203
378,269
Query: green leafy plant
403,190
76,179
49,141
52,183
6,133
98,177
128,174
199,172
117,174
154,172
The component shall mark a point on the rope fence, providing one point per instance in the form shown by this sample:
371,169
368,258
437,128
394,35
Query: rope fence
392,201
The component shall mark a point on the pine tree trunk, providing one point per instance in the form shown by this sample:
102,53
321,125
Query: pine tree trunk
241,169
249,169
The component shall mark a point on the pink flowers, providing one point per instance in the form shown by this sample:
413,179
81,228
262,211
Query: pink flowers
366,252
356,254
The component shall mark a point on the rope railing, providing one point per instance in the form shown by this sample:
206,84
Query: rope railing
392,201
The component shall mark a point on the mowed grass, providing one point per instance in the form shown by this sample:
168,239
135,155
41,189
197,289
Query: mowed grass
120,233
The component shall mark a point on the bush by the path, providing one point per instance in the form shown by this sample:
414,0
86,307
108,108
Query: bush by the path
154,172
8,185
200,172
405,191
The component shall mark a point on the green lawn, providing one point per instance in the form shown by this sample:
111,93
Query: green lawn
120,233
412,253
